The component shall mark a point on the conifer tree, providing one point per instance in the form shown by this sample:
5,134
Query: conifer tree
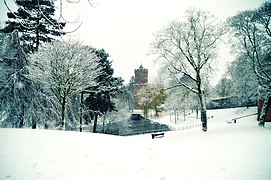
34,20
100,100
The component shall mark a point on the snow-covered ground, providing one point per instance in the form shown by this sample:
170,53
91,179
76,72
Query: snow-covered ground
226,151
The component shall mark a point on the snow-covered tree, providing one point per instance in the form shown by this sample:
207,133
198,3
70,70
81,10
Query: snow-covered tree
252,39
224,87
13,84
35,22
64,69
182,99
99,101
117,121
23,102
242,81
188,48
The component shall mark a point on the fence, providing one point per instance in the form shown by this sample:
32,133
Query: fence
163,130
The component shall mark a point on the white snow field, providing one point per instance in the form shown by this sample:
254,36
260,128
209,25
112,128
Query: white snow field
227,151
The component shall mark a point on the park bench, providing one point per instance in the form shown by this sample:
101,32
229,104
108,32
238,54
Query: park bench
231,121
154,135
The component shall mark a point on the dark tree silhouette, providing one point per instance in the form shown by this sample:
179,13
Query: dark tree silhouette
34,19
99,101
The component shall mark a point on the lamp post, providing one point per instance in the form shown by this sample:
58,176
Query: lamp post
81,110
81,106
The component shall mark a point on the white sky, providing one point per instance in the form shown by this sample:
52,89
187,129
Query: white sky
124,28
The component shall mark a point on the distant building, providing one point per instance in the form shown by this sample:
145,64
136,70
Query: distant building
262,94
141,80
260,106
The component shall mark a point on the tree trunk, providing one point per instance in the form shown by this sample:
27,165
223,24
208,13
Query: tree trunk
184,114
175,115
81,111
63,109
203,111
156,111
34,124
21,118
103,123
265,108
145,111
177,110
46,126
37,32
21,122
95,123
197,111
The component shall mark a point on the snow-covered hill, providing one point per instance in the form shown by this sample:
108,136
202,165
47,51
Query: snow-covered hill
226,151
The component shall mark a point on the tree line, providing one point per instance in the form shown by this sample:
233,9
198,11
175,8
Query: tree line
51,83
188,48
249,75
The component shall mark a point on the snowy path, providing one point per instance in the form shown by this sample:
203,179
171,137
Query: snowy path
238,151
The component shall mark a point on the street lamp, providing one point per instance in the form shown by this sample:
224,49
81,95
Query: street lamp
81,106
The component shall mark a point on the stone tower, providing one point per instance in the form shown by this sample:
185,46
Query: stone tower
141,80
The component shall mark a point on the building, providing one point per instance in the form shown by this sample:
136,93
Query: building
141,80
260,106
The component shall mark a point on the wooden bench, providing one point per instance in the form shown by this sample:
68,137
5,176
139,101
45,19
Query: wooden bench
158,135
232,121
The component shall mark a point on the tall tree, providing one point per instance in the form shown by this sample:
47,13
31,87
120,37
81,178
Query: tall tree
100,96
224,87
13,83
188,48
35,20
243,82
23,103
64,69
251,30
180,98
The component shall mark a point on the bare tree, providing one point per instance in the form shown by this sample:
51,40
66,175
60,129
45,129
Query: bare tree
181,99
188,48
65,69
251,30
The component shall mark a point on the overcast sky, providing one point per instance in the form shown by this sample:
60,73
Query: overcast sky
124,28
